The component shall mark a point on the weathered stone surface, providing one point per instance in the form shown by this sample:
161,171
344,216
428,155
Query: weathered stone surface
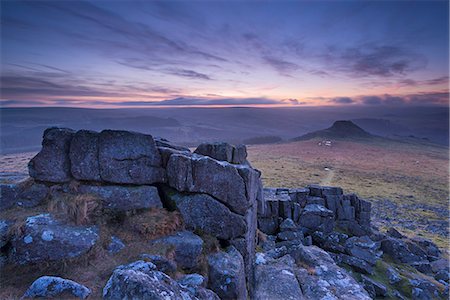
363,248
8,195
123,198
423,289
239,154
84,151
222,181
317,218
179,172
31,196
440,264
160,142
218,151
56,287
116,245
333,242
288,225
276,280
201,211
129,157
187,245
162,263
227,274
374,288
321,191
52,163
45,239
430,248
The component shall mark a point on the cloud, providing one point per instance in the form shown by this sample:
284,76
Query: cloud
189,74
282,66
371,100
222,101
292,101
374,60
342,100
434,81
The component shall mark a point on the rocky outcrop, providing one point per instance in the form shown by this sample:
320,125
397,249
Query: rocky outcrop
315,208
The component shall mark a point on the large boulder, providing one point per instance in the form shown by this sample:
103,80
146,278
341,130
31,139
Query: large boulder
276,280
52,163
129,157
84,155
4,228
374,288
227,274
187,246
203,212
56,287
46,239
123,198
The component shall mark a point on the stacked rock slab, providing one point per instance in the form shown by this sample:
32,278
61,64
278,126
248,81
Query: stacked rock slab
215,189
316,208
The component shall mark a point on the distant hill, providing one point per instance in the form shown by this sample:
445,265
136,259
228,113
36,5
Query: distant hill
339,130
271,139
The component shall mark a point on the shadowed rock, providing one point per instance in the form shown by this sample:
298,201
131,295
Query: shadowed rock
84,151
52,163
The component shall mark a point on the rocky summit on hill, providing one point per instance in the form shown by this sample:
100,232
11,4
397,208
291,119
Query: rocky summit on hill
122,215
339,130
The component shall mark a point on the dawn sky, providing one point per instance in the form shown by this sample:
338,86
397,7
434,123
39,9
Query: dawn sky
135,53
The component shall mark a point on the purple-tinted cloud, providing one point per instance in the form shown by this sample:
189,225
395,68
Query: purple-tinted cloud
342,100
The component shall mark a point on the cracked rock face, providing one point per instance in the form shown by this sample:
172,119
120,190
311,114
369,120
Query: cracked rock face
128,157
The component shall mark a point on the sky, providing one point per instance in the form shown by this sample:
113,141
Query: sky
217,53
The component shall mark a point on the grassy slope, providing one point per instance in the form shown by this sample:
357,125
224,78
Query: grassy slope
405,173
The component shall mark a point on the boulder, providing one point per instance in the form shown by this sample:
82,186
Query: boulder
277,280
359,265
268,225
321,191
84,151
442,275
317,218
333,242
52,163
46,239
129,157
430,248
123,198
203,212
56,287
440,264
139,265
187,246
374,288
423,289
224,152
160,142
152,285
363,248
227,274
322,278
162,263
